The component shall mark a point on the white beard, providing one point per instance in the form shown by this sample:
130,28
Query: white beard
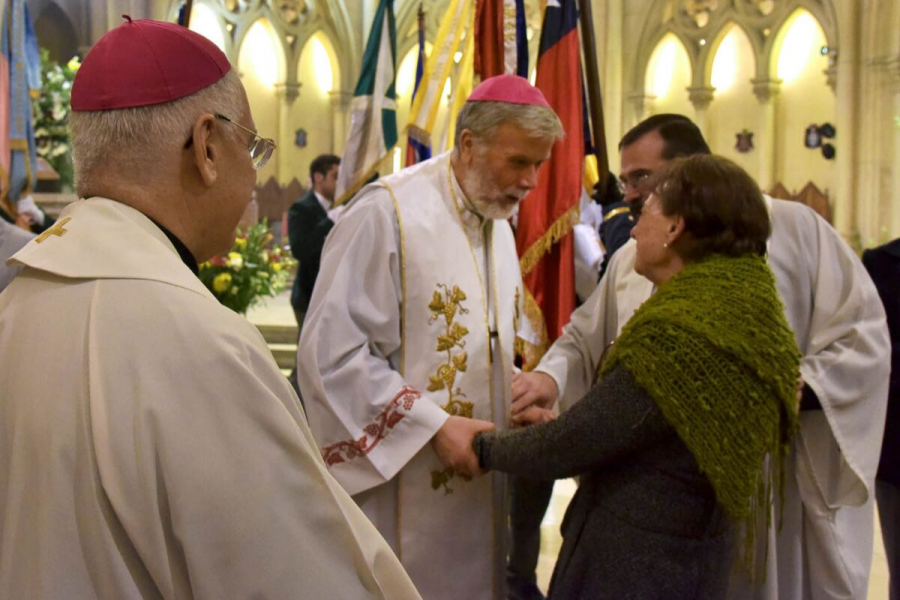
478,191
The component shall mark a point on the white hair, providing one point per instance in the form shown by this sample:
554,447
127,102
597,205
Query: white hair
483,119
132,137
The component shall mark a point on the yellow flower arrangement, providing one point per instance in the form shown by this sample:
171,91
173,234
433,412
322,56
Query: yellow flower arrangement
251,270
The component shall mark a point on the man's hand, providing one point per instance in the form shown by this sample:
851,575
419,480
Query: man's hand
533,415
453,444
533,388
23,221
27,206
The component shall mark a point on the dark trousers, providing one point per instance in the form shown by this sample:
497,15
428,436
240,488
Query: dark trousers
888,497
529,499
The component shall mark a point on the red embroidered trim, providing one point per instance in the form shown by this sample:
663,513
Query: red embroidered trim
386,420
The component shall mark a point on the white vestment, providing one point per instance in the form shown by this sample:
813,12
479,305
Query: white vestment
414,316
824,550
149,445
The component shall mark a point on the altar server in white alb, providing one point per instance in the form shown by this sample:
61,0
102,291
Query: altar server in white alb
149,445
824,549
409,337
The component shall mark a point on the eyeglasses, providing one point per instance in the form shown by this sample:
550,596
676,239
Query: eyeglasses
634,181
261,148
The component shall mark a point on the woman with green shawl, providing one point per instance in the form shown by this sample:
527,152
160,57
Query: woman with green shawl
683,438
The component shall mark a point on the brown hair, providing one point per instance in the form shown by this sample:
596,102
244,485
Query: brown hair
722,207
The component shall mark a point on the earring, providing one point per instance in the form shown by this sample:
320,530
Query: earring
665,244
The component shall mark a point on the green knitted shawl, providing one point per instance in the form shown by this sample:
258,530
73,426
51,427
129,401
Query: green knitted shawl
712,347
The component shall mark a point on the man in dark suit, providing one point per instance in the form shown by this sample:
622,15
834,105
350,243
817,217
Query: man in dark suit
308,226
883,264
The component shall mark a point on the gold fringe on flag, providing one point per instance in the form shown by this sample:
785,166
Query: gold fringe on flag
554,233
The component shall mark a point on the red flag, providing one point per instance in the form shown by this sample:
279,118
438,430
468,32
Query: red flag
550,211
489,38
500,42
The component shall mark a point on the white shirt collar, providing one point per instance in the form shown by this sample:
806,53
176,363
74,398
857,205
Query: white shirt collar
326,205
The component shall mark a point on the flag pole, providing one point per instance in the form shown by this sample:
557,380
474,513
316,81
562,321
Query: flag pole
188,5
595,101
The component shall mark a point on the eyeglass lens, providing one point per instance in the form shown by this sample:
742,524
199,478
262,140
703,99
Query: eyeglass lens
260,152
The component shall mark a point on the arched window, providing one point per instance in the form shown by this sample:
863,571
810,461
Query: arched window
205,22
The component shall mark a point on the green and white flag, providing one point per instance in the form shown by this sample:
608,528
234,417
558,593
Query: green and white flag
373,120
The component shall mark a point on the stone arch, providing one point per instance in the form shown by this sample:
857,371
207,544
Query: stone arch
670,102
277,41
56,32
780,34
322,37
710,50
661,21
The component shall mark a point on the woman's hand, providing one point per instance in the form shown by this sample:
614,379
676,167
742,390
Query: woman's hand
533,415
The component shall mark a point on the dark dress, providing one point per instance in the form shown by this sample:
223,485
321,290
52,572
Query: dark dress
645,523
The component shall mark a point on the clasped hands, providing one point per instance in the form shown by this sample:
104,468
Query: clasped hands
533,395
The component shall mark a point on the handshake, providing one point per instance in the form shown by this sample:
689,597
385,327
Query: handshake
533,395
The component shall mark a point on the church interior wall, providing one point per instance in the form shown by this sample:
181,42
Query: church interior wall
734,108
258,66
855,87
804,100
317,72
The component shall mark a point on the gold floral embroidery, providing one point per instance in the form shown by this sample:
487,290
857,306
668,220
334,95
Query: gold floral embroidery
441,479
447,306
516,315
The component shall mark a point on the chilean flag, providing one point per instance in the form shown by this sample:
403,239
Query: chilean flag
548,214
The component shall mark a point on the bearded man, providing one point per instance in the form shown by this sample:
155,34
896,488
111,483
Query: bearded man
408,340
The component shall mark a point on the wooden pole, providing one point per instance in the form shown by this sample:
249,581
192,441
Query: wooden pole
188,5
595,101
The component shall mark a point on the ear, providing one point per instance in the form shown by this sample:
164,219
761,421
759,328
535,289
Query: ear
206,148
676,229
466,146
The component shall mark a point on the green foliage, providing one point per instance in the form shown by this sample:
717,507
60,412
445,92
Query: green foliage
252,270
51,116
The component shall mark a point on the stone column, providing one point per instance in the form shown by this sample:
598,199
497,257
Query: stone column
766,91
848,119
286,93
611,57
701,97
340,111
